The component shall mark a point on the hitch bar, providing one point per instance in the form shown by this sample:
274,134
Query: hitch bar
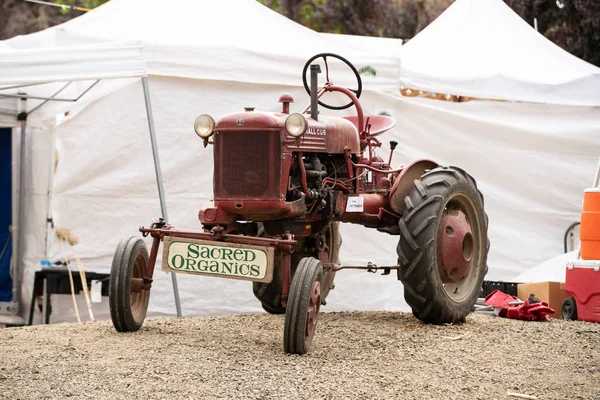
370,267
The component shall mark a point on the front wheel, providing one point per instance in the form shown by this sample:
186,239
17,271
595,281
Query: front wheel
128,301
304,303
443,245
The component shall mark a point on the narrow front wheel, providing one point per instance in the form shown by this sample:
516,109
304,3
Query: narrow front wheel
304,303
128,300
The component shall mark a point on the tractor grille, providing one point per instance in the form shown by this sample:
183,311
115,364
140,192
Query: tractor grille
247,164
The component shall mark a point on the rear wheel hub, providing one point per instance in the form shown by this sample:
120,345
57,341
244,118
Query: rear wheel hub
457,246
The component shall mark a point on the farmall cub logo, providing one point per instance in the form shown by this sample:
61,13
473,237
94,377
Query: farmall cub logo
225,260
316,131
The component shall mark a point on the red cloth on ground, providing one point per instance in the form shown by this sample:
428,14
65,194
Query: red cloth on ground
537,311
499,299
530,311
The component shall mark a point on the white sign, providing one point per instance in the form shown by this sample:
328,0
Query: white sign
355,204
96,292
226,260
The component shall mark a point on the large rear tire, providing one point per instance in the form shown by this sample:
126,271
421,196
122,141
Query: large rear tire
303,307
443,246
127,308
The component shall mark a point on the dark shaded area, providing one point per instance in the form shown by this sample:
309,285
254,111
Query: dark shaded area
5,213
574,25
21,18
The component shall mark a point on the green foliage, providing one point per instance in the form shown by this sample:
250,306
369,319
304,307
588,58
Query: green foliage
79,3
574,25
272,4
307,12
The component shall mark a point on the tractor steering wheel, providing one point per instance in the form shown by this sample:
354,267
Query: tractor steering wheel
324,56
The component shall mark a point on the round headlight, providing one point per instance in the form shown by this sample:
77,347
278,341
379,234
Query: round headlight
204,126
296,125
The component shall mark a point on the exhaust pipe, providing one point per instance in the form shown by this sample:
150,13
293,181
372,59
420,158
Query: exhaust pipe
314,100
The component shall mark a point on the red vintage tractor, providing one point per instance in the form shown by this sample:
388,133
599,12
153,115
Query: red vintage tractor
282,184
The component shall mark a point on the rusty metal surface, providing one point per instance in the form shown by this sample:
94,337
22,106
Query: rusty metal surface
286,99
329,134
255,120
359,111
370,267
138,297
137,285
280,244
247,164
457,245
370,216
314,306
377,124
304,185
225,211
404,183
286,278
149,273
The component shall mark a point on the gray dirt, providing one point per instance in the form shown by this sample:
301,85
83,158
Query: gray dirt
357,355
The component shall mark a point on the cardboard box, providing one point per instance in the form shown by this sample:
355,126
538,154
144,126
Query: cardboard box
552,293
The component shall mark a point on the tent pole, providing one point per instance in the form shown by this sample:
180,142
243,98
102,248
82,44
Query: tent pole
19,257
597,177
50,193
159,182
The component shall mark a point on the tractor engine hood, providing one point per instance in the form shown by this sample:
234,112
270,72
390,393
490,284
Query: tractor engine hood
328,134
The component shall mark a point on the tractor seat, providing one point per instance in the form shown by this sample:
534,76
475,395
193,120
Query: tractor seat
379,123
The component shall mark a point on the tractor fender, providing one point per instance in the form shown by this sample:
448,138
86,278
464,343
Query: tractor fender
403,183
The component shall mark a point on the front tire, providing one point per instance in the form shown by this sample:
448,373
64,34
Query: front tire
303,306
443,246
128,308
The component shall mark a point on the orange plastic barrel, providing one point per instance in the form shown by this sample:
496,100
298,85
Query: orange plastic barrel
589,231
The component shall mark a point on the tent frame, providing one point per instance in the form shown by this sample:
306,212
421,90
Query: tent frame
14,306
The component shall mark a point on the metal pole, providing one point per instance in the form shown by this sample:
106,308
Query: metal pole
597,177
19,257
53,98
50,193
159,182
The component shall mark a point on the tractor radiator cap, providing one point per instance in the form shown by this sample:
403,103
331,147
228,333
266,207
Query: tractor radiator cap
286,98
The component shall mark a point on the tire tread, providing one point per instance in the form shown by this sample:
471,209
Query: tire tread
417,246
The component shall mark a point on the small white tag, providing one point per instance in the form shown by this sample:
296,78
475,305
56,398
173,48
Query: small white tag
355,204
96,293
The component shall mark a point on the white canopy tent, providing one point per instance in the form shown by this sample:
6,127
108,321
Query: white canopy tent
103,187
243,54
482,49
226,40
71,63
27,75
538,158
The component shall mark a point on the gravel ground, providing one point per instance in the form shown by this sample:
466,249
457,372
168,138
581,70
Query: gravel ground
358,355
